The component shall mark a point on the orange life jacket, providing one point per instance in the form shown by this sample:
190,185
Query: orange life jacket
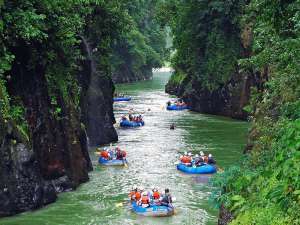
104,154
137,195
132,195
186,159
145,200
156,195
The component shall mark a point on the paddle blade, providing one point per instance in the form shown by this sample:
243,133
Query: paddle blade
119,204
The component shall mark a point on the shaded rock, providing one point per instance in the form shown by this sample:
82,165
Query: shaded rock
126,74
96,100
22,187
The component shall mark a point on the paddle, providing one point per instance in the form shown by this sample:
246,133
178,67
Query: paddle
125,162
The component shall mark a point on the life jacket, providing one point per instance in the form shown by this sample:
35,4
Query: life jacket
137,196
132,195
145,200
104,154
186,159
156,195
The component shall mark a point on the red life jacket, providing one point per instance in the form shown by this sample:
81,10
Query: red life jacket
104,154
156,195
186,159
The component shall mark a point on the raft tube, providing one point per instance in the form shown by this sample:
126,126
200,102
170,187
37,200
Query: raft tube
204,169
127,123
114,162
122,99
175,107
153,210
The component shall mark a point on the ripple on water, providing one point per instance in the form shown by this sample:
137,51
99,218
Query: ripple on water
152,152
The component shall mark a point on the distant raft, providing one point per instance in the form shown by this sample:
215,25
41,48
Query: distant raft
204,169
177,107
113,162
154,210
127,123
122,99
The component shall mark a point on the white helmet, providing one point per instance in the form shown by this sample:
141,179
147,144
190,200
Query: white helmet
185,153
201,153
134,187
210,155
196,155
141,188
190,154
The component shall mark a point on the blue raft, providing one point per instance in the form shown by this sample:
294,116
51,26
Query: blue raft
175,107
153,210
122,99
113,162
204,169
127,123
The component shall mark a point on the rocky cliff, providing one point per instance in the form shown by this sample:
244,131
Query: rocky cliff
52,97
228,100
126,75
96,98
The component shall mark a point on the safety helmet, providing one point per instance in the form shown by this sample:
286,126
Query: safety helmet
134,187
141,188
190,154
185,153
202,153
210,155
196,155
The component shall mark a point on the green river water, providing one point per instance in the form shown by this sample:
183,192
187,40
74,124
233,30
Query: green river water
152,151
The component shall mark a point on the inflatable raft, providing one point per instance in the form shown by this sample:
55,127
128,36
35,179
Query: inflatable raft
204,169
153,210
127,123
122,99
176,107
113,162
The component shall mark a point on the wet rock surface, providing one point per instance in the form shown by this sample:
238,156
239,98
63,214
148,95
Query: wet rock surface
22,187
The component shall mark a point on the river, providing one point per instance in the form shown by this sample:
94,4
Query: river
152,151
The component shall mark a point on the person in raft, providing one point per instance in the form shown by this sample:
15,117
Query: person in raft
145,200
155,196
135,194
211,160
198,161
120,155
167,198
110,154
186,159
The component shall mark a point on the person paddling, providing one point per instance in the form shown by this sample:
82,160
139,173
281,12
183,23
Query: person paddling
211,160
167,198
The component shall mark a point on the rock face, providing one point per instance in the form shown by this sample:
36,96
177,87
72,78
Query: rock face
22,187
228,100
126,75
96,100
